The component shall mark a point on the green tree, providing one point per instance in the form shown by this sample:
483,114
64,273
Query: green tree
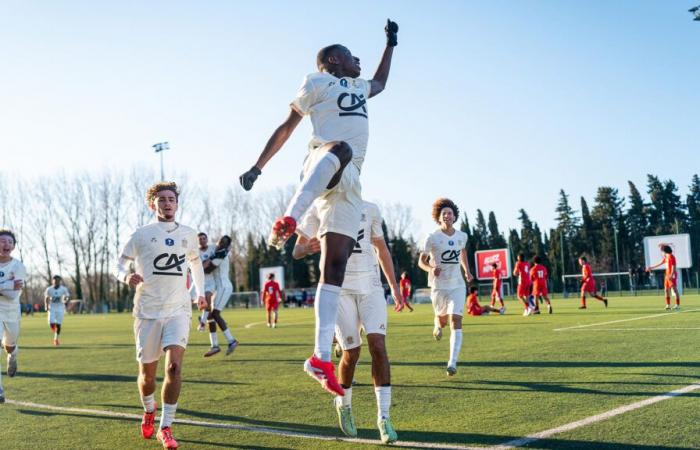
496,239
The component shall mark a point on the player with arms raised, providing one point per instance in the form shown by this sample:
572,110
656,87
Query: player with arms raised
588,283
160,253
218,266
336,100
362,307
12,276
670,277
441,256
522,271
55,298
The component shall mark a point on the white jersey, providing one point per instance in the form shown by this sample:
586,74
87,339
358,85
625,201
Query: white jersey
445,253
205,255
9,297
363,260
220,274
338,111
160,252
57,295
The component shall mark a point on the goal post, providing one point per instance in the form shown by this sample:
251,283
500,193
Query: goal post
605,282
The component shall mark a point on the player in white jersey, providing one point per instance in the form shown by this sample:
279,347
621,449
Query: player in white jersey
206,251
441,256
160,253
12,276
55,298
336,100
218,266
362,306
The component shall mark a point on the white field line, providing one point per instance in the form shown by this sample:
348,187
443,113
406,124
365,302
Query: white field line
636,329
255,324
664,314
597,418
253,429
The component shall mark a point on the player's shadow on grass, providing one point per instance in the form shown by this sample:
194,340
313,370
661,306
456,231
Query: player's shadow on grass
208,444
566,388
111,378
552,364
74,347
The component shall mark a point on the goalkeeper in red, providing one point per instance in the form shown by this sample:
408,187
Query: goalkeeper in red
335,99
670,277
588,284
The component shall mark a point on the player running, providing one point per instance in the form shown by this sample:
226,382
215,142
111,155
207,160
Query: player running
405,285
538,275
588,283
496,289
475,309
336,100
670,277
160,253
270,297
362,307
522,271
441,256
206,251
218,267
12,276
55,298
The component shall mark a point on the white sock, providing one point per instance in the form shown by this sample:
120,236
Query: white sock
383,394
148,402
204,316
313,185
346,400
213,339
167,415
437,322
455,347
228,335
326,309
55,335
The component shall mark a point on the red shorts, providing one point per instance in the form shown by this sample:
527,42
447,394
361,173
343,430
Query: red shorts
272,306
475,311
523,290
405,295
588,287
670,281
539,290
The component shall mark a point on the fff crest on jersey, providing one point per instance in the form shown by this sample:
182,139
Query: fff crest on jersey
2,274
169,242
451,242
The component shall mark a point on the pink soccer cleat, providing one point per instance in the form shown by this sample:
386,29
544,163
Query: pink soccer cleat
147,422
282,229
165,436
324,373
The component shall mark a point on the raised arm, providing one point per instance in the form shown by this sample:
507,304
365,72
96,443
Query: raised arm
274,144
378,82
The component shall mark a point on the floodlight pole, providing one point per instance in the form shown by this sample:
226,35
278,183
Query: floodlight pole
563,270
160,148
617,262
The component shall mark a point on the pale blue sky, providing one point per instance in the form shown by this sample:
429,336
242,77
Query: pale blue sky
496,104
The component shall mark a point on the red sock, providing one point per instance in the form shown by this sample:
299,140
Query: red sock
678,301
583,301
668,300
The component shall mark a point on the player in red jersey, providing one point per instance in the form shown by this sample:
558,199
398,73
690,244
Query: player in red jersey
588,283
405,286
522,271
496,291
475,309
670,277
270,296
538,275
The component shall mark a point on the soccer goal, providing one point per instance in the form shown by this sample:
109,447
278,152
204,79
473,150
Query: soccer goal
607,283
244,299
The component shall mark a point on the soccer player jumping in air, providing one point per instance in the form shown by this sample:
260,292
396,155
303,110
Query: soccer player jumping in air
670,277
335,98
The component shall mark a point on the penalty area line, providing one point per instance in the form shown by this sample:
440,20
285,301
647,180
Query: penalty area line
664,314
252,429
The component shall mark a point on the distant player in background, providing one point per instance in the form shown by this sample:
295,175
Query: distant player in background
405,285
670,277
55,298
538,275
475,309
270,297
588,283
154,261
522,271
206,251
441,256
218,267
496,289
12,276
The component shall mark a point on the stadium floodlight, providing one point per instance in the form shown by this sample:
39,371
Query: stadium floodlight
160,147
696,12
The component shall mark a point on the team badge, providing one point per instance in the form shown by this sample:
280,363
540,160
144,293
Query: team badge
2,274
344,82
451,242
169,242
349,340
154,240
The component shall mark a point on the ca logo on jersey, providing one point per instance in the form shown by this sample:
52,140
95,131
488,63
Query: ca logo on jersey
450,257
360,236
351,106
168,264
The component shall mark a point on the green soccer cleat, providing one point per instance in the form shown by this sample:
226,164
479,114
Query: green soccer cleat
345,418
386,431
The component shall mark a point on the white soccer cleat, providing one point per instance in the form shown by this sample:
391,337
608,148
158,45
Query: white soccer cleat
668,307
437,333
502,310
11,365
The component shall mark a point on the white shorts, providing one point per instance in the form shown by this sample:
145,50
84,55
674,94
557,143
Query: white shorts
10,333
223,294
56,314
209,286
449,301
360,309
154,335
339,208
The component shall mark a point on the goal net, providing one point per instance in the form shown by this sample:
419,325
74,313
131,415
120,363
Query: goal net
607,283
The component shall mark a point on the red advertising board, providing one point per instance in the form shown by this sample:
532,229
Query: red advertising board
484,259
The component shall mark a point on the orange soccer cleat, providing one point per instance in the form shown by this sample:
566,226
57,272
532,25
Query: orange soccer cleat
282,229
324,373
165,436
147,422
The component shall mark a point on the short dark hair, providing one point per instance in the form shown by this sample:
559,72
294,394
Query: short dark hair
537,260
270,276
473,289
667,249
6,232
494,266
583,258
521,256
57,277
202,233
323,55
441,204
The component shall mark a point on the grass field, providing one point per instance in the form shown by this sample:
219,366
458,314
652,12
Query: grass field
517,376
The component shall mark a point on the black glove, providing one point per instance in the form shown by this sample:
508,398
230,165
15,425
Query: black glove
220,254
391,29
248,178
